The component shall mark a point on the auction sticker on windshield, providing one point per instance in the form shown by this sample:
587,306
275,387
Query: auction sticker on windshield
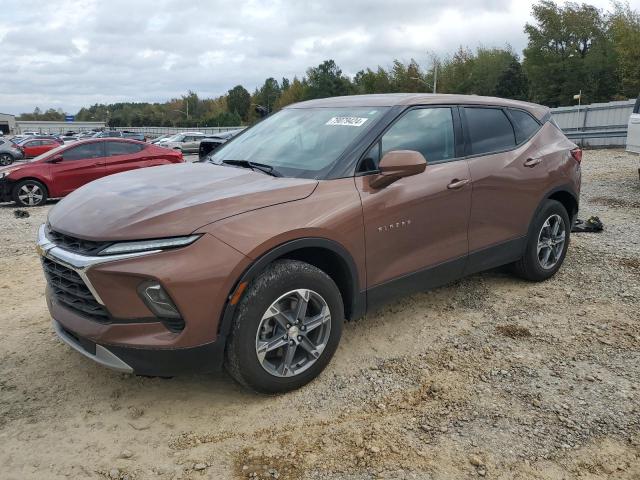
347,121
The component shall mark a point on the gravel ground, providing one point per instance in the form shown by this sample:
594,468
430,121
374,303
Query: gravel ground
489,377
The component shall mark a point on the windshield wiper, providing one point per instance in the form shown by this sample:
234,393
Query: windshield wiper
268,169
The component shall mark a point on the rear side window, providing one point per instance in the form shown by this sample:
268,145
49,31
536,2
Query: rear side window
122,148
525,125
426,130
86,151
489,130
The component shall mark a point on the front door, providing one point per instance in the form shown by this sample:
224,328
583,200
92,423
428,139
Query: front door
416,228
80,164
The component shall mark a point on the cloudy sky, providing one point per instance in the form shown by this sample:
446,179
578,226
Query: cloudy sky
68,54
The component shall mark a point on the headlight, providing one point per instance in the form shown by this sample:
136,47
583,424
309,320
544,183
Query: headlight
146,245
6,173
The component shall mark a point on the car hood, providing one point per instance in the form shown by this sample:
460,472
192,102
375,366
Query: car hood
169,201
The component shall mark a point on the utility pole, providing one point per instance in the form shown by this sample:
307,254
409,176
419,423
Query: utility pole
435,76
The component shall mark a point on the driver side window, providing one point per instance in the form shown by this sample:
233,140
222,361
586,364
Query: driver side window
429,131
83,152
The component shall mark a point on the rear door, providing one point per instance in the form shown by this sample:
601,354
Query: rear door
420,222
633,132
509,174
32,148
123,156
80,164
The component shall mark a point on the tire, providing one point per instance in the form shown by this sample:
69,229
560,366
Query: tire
30,193
311,341
539,265
6,159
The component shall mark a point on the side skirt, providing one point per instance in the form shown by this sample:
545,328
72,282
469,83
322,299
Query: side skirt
439,275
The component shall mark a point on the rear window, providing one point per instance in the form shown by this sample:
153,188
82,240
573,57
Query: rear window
525,125
489,130
122,148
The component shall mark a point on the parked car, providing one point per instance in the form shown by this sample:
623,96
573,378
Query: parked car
134,136
211,143
32,147
62,170
633,132
108,134
187,142
9,152
160,138
321,212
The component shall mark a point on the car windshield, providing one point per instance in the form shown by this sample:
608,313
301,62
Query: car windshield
49,153
300,142
174,138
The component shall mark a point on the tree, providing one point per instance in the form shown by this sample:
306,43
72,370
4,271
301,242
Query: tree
239,101
268,94
512,82
224,119
569,51
326,80
624,30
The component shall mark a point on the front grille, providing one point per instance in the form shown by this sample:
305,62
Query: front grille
69,289
76,245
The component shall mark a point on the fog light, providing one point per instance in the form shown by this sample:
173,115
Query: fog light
158,300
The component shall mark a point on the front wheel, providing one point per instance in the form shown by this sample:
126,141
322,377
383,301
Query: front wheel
286,328
547,243
30,193
6,159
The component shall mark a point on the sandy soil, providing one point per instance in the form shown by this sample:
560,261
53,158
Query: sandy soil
490,377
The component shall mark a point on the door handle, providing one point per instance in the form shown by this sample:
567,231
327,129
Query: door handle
532,162
456,184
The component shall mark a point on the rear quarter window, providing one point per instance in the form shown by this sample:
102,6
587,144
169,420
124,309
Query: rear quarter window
525,125
489,130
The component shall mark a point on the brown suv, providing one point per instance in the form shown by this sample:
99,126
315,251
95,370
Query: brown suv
317,214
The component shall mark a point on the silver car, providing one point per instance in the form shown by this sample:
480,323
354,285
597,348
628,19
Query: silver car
9,152
186,142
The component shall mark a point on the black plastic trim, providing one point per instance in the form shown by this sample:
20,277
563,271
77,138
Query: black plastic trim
495,255
169,362
358,304
419,281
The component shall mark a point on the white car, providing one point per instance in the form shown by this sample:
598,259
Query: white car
633,131
186,142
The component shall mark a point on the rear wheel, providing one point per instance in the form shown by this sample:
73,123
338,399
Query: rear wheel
6,159
547,243
286,328
30,193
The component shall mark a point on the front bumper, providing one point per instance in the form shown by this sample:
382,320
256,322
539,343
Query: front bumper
131,338
5,190
146,361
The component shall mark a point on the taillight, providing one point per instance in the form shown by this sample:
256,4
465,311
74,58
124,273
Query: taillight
576,153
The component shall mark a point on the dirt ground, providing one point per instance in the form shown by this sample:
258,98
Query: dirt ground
489,377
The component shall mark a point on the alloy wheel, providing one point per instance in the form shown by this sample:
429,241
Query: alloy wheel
551,241
30,194
293,333
5,159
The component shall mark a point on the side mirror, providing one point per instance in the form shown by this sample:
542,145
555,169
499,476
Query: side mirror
56,159
396,165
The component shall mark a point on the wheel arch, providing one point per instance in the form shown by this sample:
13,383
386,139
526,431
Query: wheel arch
327,255
31,177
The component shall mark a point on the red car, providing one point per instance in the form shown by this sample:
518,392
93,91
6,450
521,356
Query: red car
38,146
62,170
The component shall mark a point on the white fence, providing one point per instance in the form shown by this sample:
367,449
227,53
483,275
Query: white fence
157,131
595,125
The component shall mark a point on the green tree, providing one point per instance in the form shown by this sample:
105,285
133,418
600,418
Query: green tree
512,82
326,80
239,101
568,51
624,30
